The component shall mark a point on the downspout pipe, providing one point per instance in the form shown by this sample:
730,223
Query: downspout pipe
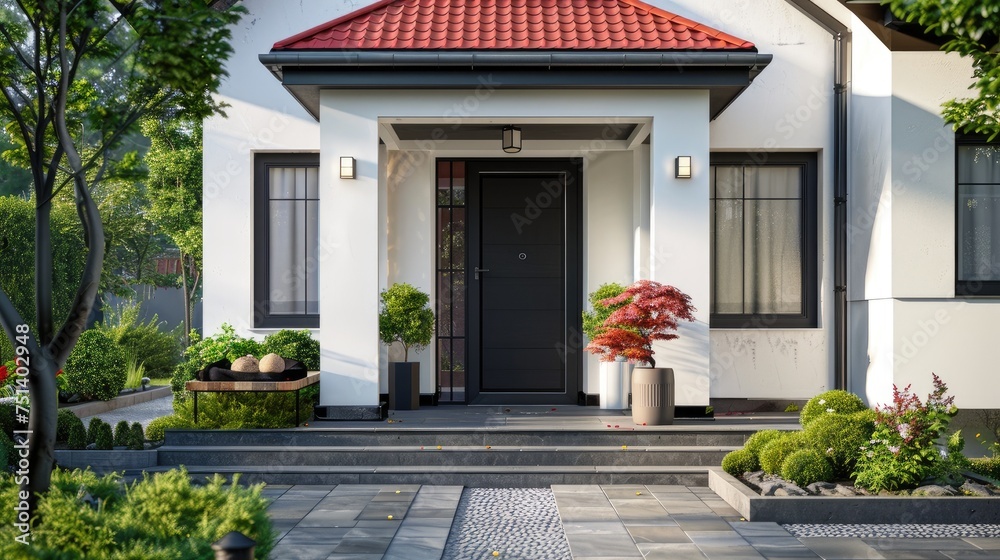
842,78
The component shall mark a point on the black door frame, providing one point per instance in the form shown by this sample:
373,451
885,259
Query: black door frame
572,169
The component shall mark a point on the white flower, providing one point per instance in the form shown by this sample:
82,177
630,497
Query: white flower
829,451
822,401
894,449
830,410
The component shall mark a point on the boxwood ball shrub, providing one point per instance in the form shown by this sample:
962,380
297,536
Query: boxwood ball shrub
225,345
296,345
773,455
92,428
805,466
65,420
156,428
740,461
831,402
104,439
122,433
986,466
756,442
96,367
136,437
840,438
77,438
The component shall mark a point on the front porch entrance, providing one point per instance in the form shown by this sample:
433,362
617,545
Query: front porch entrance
512,300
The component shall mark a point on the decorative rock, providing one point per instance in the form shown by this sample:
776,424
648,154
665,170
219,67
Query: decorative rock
831,489
245,364
934,490
971,488
789,490
272,363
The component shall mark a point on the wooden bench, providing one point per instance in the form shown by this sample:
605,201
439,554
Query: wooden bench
196,387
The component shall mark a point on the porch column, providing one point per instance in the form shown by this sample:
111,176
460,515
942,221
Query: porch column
349,258
679,234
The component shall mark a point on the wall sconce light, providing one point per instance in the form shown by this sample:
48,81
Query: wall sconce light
347,167
511,139
682,167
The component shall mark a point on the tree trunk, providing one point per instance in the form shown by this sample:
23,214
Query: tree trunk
187,303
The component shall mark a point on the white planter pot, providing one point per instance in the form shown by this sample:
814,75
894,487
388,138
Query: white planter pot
616,383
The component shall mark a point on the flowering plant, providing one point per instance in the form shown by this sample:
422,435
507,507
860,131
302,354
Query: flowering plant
649,311
904,448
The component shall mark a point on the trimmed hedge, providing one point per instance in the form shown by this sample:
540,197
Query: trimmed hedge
840,438
65,420
987,466
156,428
740,461
830,402
297,345
96,367
773,455
806,466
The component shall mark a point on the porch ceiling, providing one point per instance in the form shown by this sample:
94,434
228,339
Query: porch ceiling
466,132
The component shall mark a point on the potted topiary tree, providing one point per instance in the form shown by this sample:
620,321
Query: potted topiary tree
616,371
404,317
649,311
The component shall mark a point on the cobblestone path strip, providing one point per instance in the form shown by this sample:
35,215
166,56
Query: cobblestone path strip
518,523
911,531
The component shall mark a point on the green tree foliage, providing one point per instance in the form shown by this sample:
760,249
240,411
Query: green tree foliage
76,78
972,28
405,318
14,179
593,321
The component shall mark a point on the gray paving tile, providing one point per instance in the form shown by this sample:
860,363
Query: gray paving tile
594,528
716,538
780,547
701,522
657,534
627,491
416,532
300,536
834,548
669,488
973,554
575,488
601,545
913,555
588,514
919,544
582,499
670,551
362,545
330,518
302,552
730,553
983,543
634,510
374,529
759,529
336,556
382,510
431,513
394,497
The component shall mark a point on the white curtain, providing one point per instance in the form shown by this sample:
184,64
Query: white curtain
979,213
757,249
293,231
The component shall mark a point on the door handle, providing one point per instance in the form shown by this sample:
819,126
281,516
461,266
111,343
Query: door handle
477,270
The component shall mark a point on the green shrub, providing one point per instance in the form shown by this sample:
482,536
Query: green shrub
986,466
805,466
756,442
7,419
136,437
7,452
77,437
225,345
103,439
96,367
122,433
405,317
792,407
157,351
840,438
65,420
92,428
233,411
593,321
162,517
297,345
740,461
830,402
156,428
773,455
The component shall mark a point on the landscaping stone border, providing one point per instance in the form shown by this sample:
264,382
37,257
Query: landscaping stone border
94,408
851,510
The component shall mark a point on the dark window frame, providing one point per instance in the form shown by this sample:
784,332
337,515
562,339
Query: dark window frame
262,317
809,239
969,288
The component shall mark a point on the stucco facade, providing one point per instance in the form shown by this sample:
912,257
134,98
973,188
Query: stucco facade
638,220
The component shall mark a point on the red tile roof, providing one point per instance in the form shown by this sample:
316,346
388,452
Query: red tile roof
513,24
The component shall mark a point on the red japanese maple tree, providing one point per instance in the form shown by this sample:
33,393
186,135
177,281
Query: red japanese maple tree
652,314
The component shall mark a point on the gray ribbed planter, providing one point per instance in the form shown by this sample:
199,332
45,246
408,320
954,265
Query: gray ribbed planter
653,396
847,509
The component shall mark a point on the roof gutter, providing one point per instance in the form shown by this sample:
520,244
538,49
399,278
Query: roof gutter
842,78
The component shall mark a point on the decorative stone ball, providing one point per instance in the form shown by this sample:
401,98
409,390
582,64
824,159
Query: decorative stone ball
272,363
245,364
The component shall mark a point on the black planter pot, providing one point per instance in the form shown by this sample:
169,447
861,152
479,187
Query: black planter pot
404,385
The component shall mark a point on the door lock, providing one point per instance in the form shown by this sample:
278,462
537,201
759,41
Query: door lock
477,270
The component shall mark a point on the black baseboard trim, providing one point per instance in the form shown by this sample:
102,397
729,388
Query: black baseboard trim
588,399
377,412
702,412
429,399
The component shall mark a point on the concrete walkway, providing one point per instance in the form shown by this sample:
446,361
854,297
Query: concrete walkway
360,522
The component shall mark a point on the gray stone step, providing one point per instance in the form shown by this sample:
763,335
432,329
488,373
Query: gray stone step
393,456
688,435
471,476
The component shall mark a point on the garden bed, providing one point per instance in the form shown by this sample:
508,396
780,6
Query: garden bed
852,509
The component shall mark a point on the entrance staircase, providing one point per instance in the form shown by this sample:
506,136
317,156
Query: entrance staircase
545,451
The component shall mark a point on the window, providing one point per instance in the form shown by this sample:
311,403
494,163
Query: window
978,217
286,240
763,240
451,280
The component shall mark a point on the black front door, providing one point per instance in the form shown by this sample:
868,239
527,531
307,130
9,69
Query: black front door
524,288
